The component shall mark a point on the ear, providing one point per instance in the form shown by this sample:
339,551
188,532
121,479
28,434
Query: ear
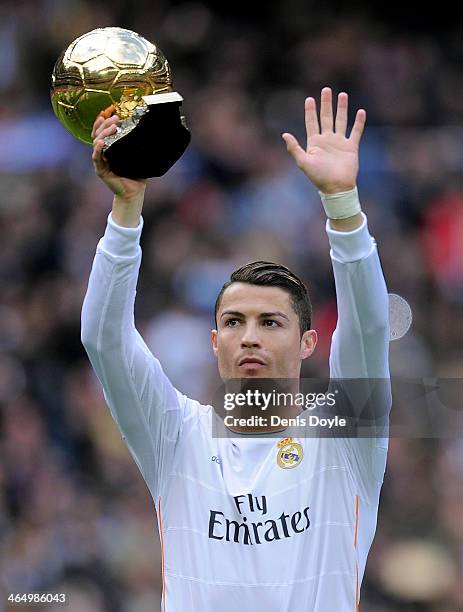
308,343
214,341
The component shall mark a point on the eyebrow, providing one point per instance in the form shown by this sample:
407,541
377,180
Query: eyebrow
263,315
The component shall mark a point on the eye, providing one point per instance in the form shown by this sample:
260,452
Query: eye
229,322
270,323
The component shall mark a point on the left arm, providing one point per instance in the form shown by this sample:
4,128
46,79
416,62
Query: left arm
360,350
360,343
331,161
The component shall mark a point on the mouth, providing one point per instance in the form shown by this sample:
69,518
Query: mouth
251,363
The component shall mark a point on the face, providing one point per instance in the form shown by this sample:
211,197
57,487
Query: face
258,334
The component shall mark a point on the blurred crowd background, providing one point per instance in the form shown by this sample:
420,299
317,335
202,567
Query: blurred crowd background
75,514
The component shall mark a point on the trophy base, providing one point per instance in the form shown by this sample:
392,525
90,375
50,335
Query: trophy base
150,143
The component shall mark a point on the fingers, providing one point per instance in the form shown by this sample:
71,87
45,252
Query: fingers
295,150
341,114
326,116
98,121
102,132
359,124
97,151
99,162
102,124
326,110
102,116
311,120
101,128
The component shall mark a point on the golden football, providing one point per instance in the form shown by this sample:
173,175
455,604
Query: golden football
105,67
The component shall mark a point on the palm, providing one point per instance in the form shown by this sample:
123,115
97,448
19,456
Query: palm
331,159
121,186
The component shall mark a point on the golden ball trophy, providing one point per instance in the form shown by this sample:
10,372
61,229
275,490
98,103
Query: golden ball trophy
117,71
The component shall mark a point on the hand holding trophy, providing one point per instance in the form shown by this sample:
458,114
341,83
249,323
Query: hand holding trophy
116,71
128,190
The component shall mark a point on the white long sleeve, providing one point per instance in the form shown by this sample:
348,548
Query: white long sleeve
148,410
360,350
360,343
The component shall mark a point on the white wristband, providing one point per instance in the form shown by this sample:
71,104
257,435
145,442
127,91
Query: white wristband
341,205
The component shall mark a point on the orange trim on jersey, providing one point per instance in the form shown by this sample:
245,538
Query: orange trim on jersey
162,554
355,546
356,519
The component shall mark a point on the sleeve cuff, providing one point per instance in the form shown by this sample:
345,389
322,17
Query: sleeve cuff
121,241
350,246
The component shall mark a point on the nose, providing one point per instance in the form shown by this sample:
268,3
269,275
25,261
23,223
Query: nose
250,337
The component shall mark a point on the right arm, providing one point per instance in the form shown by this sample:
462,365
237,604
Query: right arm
148,410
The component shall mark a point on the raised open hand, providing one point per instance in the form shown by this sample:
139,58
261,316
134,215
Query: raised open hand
331,159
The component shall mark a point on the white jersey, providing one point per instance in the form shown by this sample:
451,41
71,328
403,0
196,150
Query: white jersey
238,531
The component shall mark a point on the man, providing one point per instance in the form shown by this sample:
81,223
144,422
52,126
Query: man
238,530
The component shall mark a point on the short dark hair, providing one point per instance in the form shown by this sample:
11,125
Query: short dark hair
270,274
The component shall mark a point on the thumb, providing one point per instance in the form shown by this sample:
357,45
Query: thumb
294,148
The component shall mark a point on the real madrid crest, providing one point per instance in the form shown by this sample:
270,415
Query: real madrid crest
290,453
